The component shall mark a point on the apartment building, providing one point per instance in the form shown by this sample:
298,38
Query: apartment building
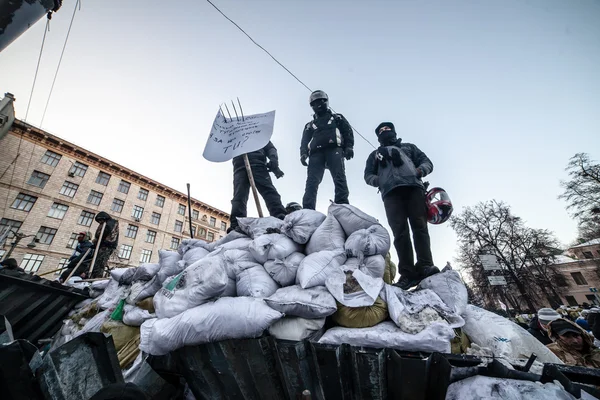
581,269
51,189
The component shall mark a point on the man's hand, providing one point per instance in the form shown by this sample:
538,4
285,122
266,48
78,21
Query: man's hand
303,158
419,173
348,153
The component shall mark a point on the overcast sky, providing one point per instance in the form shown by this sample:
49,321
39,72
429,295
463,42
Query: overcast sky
499,94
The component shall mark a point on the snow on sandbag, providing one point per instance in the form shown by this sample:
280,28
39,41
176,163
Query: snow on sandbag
300,225
197,284
449,286
168,261
225,318
315,302
272,246
283,271
255,227
503,337
149,289
316,267
255,282
100,285
135,316
436,337
374,240
361,317
414,311
193,255
351,218
145,272
295,328
354,288
328,236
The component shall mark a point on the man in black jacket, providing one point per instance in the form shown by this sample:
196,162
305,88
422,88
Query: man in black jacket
326,141
83,245
262,180
538,327
396,168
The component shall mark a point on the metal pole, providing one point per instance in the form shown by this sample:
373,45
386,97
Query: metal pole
252,184
12,247
96,250
190,210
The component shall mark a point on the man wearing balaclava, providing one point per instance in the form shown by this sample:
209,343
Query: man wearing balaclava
396,169
326,141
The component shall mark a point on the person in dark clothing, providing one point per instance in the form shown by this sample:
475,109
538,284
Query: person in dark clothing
291,207
396,169
262,180
10,263
326,141
83,245
538,327
108,243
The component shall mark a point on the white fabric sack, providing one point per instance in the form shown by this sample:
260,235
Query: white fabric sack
315,302
328,236
371,287
94,324
168,264
450,288
230,237
230,288
112,294
351,218
241,244
188,244
300,225
100,285
503,337
200,282
134,292
145,272
149,289
117,273
414,311
255,282
236,261
283,271
316,267
255,227
226,318
373,266
135,316
368,242
295,328
272,247
193,255
436,337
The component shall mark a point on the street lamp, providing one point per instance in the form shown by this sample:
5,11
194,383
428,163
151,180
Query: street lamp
18,237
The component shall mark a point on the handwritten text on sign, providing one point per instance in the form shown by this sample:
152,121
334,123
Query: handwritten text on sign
236,137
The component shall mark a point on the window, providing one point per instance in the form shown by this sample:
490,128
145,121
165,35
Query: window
210,236
38,179
174,243
131,231
591,298
51,158
202,232
195,214
579,279
117,205
69,189
588,254
8,225
193,230
58,211
78,169
86,218
561,281
24,202
145,257
125,251
94,198
150,236
46,235
137,212
143,194
32,262
155,218
213,221
223,226
181,209
72,243
178,226
571,300
124,187
62,264
160,200
102,178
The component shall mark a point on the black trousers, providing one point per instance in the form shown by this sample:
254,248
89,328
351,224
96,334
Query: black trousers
406,204
82,268
264,185
333,159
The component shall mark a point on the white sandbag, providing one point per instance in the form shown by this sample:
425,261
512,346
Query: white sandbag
255,282
449,286
236,260
255,227
315,302
145,272
351,218
100,285
272,246
188,244
76,282
193,255
117,273
368,242
283,271
503,337
230,288
241,244
414,311
112,294
168,261
328,236
134,292
230,237
200,282
316,267
373,266
354,288
225,318
135,316
295,328
149,289
436,337
300,225
94,324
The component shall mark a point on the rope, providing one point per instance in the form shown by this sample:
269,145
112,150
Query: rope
37,68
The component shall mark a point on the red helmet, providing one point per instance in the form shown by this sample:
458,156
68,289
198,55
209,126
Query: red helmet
439,206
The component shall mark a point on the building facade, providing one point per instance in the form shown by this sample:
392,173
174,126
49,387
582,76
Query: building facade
51,189
581,269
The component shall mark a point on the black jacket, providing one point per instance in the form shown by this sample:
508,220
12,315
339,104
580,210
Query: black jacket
110,238
326,131
82,248
258,158
537,332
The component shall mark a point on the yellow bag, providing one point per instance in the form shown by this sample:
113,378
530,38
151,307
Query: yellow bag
389,274
361,317
129,352
120,332
460,343
146,304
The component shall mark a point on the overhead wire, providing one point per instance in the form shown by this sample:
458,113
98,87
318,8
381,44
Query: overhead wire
37,68
278,62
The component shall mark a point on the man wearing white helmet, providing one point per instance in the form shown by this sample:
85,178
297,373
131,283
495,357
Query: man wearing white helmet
326,141
538,326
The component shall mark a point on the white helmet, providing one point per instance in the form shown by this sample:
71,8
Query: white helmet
318,94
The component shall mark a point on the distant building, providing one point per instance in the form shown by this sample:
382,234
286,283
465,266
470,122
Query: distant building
580,268
52,189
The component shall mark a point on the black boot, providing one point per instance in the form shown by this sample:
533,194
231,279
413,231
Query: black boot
406,282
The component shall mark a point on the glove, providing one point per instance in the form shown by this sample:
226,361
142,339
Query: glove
274,168
303,158
349,153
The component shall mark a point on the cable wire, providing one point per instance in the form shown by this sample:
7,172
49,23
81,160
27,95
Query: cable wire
37,68
278,62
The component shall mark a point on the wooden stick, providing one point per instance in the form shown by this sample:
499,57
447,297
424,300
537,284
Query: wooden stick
77,266
96,251
54,270
93,279
253,185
